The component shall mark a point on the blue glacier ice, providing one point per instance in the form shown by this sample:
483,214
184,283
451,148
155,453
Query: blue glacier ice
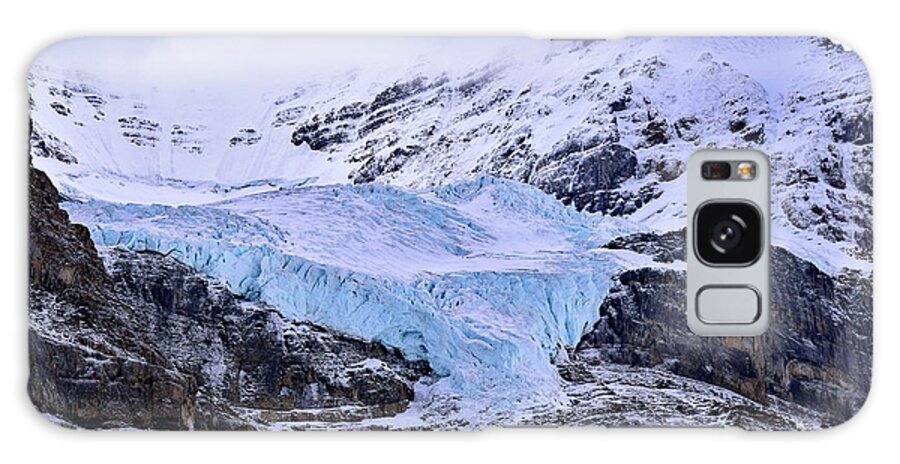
486,279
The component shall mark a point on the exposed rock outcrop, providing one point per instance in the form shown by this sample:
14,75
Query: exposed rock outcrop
588,178
46,145
62,257
664,248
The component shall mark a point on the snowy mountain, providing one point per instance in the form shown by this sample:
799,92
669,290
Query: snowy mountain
476,204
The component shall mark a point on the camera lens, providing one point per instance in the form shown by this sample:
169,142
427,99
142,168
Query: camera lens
728,233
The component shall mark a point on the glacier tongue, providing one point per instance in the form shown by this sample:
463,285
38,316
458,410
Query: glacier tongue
487,279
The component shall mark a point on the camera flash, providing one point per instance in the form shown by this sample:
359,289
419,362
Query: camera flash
746,170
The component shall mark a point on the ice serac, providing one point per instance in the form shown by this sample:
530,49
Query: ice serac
487,301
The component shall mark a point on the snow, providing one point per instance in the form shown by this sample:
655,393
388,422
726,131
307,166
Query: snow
370,364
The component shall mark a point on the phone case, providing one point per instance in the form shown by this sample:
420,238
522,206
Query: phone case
420,233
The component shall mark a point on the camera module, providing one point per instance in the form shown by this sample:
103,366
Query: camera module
728,233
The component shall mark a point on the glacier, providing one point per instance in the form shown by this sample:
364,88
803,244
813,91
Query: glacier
445,275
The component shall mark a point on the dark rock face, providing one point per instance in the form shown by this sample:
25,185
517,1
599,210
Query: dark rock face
819,343
832,166
247,136
288,116
140,131
655,133
63,259
254,357
589,178
753,134
79,370
188,137
319,136
335,127
359,119
378,166
46,145
855,128
398,92
862,169
817,351
664,248
60,109
90,383
684,128
154,345
667,169
834,214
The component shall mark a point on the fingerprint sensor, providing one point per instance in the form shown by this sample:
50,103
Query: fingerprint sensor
725,304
